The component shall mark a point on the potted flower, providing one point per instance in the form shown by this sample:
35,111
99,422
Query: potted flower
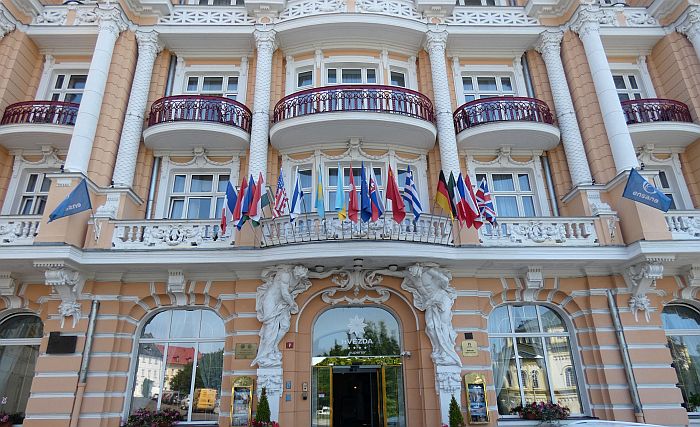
5,419
146,418
543,411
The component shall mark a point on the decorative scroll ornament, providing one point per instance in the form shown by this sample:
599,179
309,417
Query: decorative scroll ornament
271,380
641,278
6,25
68,284
447,381
275,304
110,19
354,282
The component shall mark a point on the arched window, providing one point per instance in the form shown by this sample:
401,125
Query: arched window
569,376
682,325
179,366
534,339
20,336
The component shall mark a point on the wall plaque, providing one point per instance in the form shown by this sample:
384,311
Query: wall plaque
246,350
470,348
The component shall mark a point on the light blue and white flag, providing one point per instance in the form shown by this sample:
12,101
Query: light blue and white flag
297,198
410,195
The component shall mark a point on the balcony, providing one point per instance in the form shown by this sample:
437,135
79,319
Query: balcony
186,122
334,114
170,234
683,225
662,122
18,229
489,123
32,124
308,228
552,231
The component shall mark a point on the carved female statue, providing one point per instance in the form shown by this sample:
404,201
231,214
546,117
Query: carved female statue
274,304
430,286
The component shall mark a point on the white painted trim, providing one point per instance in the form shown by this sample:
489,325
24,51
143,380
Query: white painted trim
674,171
51,68
21,169
646,77
645,84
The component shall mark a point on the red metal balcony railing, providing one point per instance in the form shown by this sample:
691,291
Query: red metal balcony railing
655,110
501,109
41,112
369,98
200,108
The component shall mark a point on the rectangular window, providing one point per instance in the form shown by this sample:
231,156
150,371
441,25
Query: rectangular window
662,182
212,85
627,86
482,86
398,79
33,198
197,196
477,3
305,78
68,87
512,193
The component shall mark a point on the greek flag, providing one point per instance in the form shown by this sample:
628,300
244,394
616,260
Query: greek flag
410,195
297,198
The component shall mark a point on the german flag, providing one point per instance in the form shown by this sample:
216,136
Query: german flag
442,197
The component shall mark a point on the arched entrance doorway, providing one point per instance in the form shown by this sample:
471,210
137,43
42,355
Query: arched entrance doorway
357,374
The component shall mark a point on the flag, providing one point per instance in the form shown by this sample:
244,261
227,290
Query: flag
640,190
320,203
483,200
365,203
247,201
238,209
256,200
375,199
392,193
77,201
281,199
469,205
229,205
454,198
442,197
410,195
340,196
297,198
353,205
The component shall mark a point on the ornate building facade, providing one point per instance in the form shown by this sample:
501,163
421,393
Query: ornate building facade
577,296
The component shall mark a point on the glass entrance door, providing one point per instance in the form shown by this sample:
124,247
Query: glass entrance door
356,397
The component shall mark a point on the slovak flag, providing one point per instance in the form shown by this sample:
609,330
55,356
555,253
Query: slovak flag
229,205
376,201
365,202
483,199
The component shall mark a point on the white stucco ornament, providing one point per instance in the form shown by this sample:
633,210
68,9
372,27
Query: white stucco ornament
357,326
274,304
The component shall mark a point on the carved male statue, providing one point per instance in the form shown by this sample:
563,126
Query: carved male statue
274,303
430,286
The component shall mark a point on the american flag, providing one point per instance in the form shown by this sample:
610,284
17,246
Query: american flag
483,200
281,199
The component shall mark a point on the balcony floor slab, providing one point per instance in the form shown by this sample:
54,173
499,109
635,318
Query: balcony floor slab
187,135
670,135
515,134
32,136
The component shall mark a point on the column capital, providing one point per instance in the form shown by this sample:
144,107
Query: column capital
148,42
67,283
691,24
110,19
588,20
6,25
550,41
437,40
265,39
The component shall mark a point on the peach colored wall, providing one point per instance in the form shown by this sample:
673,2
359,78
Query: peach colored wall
106,143
595,140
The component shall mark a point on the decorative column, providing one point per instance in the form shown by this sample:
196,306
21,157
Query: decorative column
110,25
691,28
265,45
549,46
430,286
587,26
138,98
449,157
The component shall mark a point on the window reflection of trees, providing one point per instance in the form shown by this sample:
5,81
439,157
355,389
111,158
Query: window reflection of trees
682,325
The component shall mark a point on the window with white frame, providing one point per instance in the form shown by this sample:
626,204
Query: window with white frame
482,2
512,192
35,191
351,74
197,195
217,2
534,339
305,78
628,85
480,86
306,182
662,181
397,78
682,325
224,85
67,87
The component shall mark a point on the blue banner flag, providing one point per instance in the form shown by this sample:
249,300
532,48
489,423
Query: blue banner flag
77,201
640,190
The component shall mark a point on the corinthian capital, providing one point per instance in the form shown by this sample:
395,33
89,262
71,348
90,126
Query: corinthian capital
110,19
550,41
265,39
5,25
588,21
691,24
148,42
67,284
437,41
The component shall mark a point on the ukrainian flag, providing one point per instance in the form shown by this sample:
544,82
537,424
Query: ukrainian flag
320,204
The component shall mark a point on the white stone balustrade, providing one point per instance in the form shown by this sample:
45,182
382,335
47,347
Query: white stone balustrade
18,229
171,234
311,228
545,231
683,225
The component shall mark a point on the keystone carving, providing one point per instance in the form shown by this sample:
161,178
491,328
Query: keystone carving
67,284
641,278
177,285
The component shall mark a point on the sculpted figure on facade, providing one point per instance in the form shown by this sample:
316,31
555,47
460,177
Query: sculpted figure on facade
274,304
432,293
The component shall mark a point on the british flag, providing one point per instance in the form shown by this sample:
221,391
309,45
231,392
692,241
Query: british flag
484,202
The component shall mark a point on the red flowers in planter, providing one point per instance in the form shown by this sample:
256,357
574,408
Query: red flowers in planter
543,411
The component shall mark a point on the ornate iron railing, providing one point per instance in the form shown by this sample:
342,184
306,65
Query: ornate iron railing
41,112
374,98
310,228
655,110
200,108
501,109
